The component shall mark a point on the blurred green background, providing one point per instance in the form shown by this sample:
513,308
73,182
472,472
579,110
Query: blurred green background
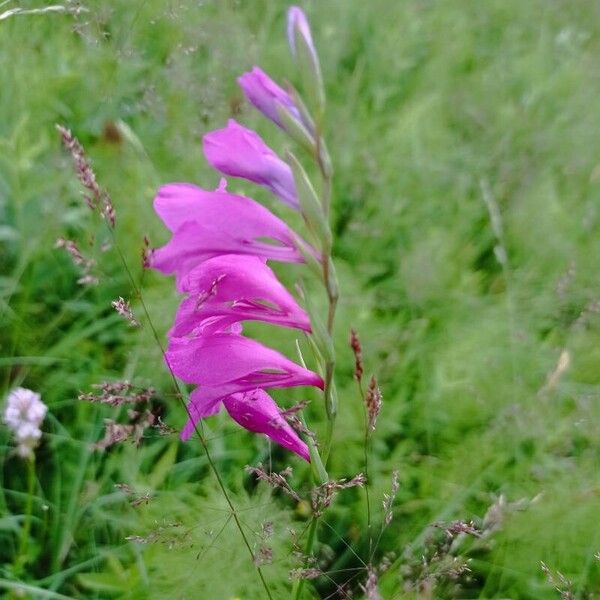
466,145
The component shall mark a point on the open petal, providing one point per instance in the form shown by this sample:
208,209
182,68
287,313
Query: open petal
193,243
207,224
204,402
179,203
232,288
227,359
240,152
256,411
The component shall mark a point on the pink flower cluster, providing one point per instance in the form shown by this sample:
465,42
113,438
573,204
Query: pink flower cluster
218,252
23,414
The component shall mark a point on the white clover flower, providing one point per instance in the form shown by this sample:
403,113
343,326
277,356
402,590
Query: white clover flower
23,414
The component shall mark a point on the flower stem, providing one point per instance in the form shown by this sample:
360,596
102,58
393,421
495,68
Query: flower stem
319,472
26,530
331,288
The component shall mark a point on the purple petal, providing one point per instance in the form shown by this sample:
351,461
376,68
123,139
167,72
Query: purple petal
179,203
231,288
207,224
194,243
256,411
240,152
237,363
204,402
296,20
264,94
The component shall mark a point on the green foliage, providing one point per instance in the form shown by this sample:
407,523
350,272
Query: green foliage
438,113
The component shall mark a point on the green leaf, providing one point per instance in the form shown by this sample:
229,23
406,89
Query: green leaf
103,582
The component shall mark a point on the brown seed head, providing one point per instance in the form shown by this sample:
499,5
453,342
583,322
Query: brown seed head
275,480
96,198
373,401
357,349
124,309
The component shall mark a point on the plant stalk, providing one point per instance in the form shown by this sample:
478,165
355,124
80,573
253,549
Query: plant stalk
21,560
330,284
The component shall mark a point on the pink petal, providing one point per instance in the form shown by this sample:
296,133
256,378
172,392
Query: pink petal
231,288
193,243
206,224
241,364
179,203
240,152
204,402
256,411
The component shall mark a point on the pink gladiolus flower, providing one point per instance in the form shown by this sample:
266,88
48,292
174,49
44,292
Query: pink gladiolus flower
207,224
255,411
235,363
240,152
296,20
264,94
228,367
231,288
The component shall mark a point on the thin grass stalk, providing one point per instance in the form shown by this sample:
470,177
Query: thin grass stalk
312,536
198,427
501,254
366,449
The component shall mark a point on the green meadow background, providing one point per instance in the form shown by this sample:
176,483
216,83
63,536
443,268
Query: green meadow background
466,142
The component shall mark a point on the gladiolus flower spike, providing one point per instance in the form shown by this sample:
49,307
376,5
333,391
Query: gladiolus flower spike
218,253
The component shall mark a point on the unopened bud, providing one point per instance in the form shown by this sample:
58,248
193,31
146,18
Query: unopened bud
305,53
